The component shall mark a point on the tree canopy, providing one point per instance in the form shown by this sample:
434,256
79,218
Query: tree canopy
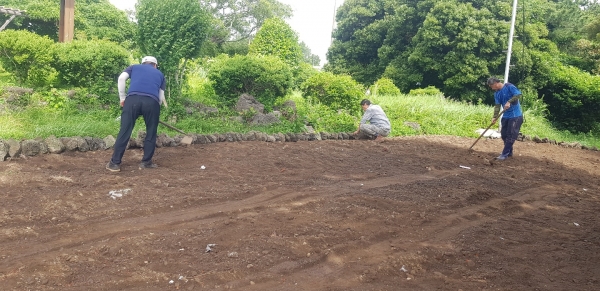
456,44
94,19
172,31
237,21
277,38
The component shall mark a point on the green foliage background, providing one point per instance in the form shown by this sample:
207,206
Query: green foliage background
455,45
91,64
337,92
28,57
172,31
441,51
277,38
264,77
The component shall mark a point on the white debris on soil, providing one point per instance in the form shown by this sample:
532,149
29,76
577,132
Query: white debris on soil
576,224
233,255
209,246
403,269
489,133
114,194
465,167
202,167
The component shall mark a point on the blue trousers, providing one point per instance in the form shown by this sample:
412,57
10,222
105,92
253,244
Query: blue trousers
510,133
136,105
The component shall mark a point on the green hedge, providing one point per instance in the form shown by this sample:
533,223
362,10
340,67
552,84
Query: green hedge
264,77
384,86
335,91
28,57
573,99
95,65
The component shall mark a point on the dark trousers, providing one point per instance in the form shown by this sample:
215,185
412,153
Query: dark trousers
135,106
510,133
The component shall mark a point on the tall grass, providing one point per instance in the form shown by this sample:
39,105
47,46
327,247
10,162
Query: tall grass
438,115
42,122
434,114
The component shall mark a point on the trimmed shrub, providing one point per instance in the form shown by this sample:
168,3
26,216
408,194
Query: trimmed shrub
573,98
264,77
95,65
335,91
384,86
429,90
28,57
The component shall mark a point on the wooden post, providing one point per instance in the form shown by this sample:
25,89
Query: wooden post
66,25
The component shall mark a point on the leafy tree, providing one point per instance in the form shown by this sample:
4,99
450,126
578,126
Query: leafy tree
309,57
457,47
237,21
102,21
277,38
94,19
361,31
173,31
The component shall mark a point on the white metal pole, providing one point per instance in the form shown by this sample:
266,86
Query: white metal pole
510,40
509,51
333,21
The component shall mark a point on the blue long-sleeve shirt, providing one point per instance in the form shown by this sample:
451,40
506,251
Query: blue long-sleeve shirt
503,95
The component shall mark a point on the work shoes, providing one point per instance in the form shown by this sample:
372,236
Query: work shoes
113,167
501,157
148,165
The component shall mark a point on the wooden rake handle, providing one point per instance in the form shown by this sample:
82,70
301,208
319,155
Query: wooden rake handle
171,127
499,114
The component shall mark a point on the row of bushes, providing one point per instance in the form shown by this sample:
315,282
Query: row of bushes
268,78
39,62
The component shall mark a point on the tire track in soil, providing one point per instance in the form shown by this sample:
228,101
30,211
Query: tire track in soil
213,210
418,241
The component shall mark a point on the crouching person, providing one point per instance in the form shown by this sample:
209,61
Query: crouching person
374,123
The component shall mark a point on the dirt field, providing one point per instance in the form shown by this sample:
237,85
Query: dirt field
323,215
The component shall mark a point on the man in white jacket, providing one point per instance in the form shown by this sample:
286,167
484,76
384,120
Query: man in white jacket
145,95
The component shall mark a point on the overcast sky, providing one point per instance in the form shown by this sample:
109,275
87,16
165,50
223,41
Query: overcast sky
312,20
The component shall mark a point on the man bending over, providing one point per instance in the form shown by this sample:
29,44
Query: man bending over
378,125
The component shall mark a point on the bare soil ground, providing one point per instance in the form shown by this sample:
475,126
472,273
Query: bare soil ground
326,215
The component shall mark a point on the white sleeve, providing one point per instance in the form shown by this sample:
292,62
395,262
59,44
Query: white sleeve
121,85
161,96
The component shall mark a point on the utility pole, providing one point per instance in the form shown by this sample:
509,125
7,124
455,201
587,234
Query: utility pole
66,24
510,40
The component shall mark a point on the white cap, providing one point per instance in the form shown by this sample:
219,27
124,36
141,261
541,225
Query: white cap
149,59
